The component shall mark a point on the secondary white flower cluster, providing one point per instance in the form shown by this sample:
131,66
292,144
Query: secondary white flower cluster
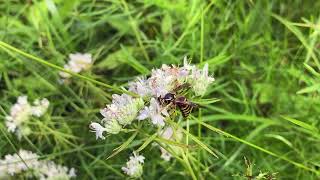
28,162
21,112
134,166
78,62
123,110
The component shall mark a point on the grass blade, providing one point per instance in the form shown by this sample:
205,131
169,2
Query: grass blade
123,146
6,46
299,165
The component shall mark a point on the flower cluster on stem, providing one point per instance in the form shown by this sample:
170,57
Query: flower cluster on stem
121,112
21,112
124,108
134,166
78,62
28,162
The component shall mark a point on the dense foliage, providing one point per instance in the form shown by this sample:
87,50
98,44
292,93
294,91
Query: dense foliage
264,56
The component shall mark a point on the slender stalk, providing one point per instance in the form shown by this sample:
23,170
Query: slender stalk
135,30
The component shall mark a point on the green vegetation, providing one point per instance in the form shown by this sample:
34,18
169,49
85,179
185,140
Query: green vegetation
264,56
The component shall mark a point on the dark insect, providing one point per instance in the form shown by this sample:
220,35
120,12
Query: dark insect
167,99
185,106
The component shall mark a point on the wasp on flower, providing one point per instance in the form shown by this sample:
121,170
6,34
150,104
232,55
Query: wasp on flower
167,89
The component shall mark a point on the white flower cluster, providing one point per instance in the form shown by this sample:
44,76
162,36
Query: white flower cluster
26,161
21,112
155,112
123,110
165,80
78,62
134,166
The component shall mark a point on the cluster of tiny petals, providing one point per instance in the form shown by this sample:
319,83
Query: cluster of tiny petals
21,112
200,80
155,112
134,167
78,62
125,108
121,112
40,107
12,164
24,161
165,80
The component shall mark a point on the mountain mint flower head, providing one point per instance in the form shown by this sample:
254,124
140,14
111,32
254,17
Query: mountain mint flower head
200,80
25,161
98,129
21,112
161,81
78,62
155,112
51,171
124,109
40,107
134,166
141,87
12,164
167,78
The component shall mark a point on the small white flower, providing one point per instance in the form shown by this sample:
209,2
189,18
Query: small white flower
185,70
134,166
123,109
140,87
155,112
98,129
40,107
50,171
162,81
200,80
25,161
78,62
19,114
17,163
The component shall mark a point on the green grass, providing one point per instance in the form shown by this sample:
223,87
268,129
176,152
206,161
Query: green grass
263,54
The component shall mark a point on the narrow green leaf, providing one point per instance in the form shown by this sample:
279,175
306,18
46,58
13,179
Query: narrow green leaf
205,101
311,70
195,139
281,138
313,88
260,148
301,124
123,146
147,142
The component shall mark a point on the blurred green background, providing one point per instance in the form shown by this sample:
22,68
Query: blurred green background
263,54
